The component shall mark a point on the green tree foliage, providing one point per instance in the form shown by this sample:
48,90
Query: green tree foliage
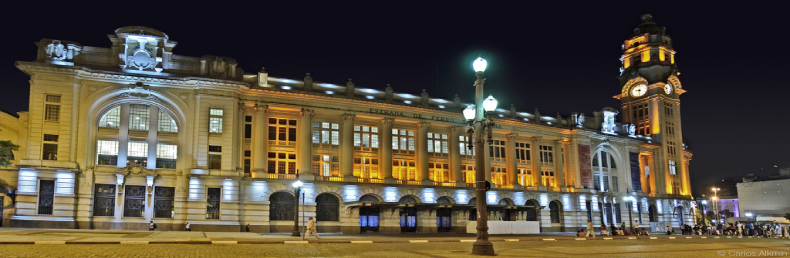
6,152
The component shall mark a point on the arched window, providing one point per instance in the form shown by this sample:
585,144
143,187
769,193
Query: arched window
443,200
281,206
369,198
555,212
125,137
604,171
505,202
327,208
472,201
532,210
652,213
407,199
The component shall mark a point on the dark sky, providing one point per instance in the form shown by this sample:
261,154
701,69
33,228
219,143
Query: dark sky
555,57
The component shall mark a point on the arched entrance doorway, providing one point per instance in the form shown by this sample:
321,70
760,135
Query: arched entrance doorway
444,215
369,215
408,214
532,210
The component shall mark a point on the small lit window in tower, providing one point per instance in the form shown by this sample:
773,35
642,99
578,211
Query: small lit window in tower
627,62
661,55
671,58
646,56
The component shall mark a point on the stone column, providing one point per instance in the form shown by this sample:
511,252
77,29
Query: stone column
153,139
455,155
259,141
305,143
347,148
535,148
123,135
510,157
559,159
385,150
422,152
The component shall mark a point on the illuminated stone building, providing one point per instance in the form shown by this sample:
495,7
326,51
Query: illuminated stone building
119,136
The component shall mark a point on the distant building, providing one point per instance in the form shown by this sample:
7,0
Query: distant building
115,137
765,199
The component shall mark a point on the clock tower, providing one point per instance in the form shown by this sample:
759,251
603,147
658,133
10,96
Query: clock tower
650,94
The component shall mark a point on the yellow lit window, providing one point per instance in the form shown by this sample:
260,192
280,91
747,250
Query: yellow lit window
627,62
672,58
646,56
661,55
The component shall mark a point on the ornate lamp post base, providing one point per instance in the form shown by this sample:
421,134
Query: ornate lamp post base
483,247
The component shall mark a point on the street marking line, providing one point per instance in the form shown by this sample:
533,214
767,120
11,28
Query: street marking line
671,237
607,238
740,236
729,237
703,237
511,240
631,238
224,242
716,237
581,238
418,241
363,242
295,242
134,242
549,239
467,240
688,237
50,242
653,238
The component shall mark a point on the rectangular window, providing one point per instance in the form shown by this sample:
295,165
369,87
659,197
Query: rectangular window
248,131
548,179
138,117
134,201
439,172
402,141
525,177
499,176
672,169
166,123
668,109
546,155
50,150
247,166
213,202
104,200
366,168
282,130
163,202
166,155
327,134
437,143
53,98
468,173
522,153
326,165
366,137
214,157
282,162
215,120
597,182
497,150
52,108
464,143
46,196
107,152
404,169
137,153
641,119
614,184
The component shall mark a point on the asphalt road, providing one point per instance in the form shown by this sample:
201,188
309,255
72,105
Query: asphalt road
676,248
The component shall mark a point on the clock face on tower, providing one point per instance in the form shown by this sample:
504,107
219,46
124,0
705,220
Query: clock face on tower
668,88
639,90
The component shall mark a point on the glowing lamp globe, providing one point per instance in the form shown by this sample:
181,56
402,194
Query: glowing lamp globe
704,202
489,104
469,112
480,65
297,183
628,199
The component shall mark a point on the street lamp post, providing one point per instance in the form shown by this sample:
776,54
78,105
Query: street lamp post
716,202
704,203
630,200
297,189
478,122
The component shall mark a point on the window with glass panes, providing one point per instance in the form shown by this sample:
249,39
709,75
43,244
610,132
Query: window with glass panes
166,155
282,131
499,175
497,150
138,117
326,165
546,155
52,108
107,152
247,127
671,148
523,153
404,169
326,134
247,161
675,187
525,177
548,179
668,109
164,202
672,168
437,144
366,168
104,200
215,120
50,150
166,123
366,137
468,172
641,119
111,119
137,153
402,141
282,162
464,144
439,172
670,128
214,157
603,166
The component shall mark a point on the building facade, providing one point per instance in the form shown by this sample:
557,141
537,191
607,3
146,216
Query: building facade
116,137
765,199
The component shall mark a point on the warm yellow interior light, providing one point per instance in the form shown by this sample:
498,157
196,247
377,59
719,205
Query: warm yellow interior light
646,56
661,55
626,62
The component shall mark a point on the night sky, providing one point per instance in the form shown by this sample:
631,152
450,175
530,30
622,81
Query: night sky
557,58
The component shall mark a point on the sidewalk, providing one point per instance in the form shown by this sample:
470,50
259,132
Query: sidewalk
77,236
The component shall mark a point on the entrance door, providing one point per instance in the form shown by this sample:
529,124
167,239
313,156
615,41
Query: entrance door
443,220
609,215
369,219
408,219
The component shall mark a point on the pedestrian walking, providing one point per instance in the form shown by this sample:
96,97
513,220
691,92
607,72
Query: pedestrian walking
636,228
188,227
151,226
590,231
669,231
247,228
311,229
604,230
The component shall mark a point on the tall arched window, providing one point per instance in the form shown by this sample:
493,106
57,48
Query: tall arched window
604,171
327,208
281,206
555,212
532,210
137,134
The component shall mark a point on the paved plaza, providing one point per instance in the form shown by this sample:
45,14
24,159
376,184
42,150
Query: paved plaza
106,243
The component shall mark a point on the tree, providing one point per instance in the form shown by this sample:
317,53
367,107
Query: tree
7,149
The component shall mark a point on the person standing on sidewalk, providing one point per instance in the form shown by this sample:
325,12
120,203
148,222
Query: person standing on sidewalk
188,227
604,229
590,231
151,226
311,229
636,228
